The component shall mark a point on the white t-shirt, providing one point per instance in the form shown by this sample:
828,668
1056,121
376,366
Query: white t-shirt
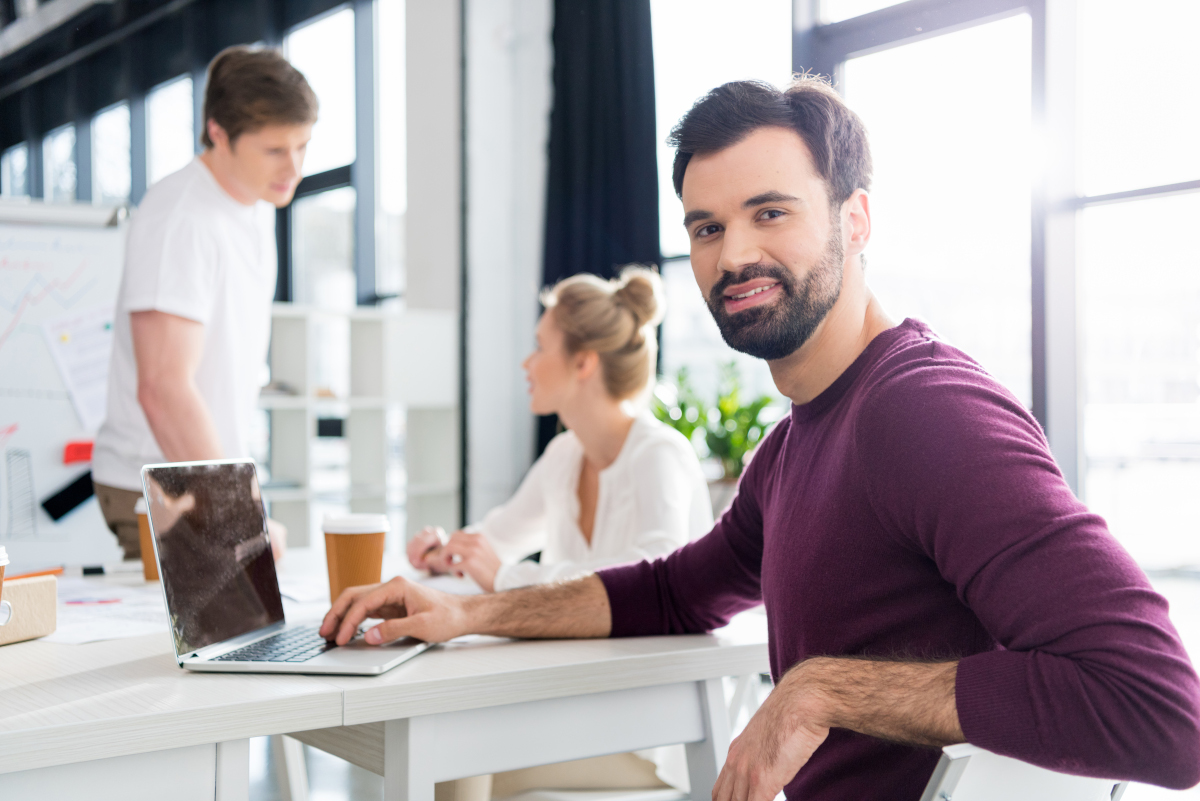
652,500
195,252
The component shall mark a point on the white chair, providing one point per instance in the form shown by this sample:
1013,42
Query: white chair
969,773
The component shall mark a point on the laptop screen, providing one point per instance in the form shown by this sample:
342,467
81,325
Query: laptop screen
214,556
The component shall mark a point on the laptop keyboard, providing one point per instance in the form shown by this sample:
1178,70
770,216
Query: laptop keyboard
293,645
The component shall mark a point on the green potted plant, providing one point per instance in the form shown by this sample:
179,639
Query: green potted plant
677,404
725,432
734,428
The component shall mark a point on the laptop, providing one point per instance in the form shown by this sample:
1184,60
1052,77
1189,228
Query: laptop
218,577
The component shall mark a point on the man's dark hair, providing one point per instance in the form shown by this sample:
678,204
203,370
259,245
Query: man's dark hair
809,106
251,87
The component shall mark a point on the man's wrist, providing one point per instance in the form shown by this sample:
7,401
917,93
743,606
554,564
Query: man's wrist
809,685
477,614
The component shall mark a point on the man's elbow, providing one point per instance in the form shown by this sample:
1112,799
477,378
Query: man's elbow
154,397
1179,768
1167,752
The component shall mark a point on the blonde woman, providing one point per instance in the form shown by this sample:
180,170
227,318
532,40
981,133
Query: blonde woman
616,486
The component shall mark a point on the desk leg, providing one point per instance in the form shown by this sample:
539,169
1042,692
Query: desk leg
406,777
233,771
706,757
290,769
745,696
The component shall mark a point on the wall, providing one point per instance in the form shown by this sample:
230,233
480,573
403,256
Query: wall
508,122
433,235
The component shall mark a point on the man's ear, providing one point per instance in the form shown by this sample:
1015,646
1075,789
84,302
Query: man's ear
587,364
217,134
856,222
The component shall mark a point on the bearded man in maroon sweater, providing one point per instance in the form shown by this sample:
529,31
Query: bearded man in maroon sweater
928,576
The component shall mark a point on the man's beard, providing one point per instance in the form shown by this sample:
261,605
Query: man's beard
778,329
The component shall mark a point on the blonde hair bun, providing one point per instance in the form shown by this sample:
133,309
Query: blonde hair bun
614,318
640,291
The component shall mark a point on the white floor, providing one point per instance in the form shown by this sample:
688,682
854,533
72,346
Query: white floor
333,779
329,778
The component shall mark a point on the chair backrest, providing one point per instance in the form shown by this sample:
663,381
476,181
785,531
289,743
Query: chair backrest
969,773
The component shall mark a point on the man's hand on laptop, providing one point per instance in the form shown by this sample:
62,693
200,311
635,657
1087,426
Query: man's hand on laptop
577,608
408,609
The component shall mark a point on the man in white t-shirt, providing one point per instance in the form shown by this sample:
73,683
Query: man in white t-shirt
194,310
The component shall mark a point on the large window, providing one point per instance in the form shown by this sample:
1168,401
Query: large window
170,135
698,45
111,173
1137,125
1139,275
14,171
58,165
322,220
344,247
323,249
950,201
324,51
1140,326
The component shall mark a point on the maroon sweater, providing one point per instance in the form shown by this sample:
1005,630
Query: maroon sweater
913,511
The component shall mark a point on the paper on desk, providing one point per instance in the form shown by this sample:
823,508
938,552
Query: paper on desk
80,343
304,588
90,611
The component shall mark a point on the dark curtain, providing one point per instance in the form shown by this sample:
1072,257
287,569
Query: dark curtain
602,192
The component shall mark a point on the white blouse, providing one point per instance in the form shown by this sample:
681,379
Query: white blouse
652,500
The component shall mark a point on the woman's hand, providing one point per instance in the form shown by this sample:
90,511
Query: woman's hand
472,554
424,549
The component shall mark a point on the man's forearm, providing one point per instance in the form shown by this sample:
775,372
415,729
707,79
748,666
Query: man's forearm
180,422
573,609
905,702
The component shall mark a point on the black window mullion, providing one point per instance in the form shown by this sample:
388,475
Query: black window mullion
825,47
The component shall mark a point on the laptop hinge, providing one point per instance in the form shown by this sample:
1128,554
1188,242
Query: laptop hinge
225,646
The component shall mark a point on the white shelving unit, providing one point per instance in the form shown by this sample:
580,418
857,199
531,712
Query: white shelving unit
398,360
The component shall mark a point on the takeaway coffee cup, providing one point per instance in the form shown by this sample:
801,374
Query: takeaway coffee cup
354,550
149,565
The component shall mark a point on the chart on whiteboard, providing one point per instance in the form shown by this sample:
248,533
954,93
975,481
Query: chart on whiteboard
58,287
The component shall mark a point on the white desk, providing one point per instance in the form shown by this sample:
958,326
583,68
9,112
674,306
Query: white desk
489,705
119,720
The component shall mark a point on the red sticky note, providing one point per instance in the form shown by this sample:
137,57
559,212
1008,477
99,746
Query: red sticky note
78,451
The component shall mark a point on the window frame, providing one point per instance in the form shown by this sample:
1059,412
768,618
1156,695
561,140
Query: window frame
1055,201
824,48
360,173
